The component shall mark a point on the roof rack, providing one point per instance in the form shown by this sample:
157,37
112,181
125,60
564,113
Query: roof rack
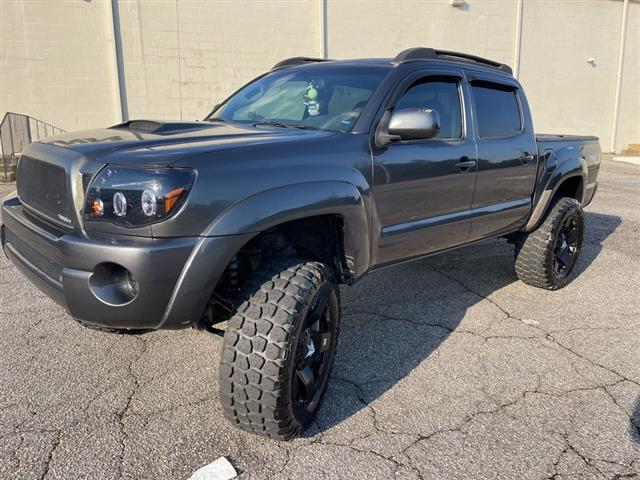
421,53
293,61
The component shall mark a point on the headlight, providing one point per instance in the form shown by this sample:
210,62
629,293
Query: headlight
133,197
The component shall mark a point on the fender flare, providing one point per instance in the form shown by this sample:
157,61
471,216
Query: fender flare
273,207
556,169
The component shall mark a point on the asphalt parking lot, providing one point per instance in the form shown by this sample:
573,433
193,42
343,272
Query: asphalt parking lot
447,367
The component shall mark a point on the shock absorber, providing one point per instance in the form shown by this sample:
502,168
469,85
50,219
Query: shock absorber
229,285
220,306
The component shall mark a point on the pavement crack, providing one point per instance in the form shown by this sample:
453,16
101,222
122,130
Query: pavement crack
56,442
552,339
400,319
361,398
635,425
485,297
495,337
547,335
378,428
125,410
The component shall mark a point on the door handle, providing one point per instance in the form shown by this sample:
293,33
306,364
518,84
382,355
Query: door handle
465,165
526,158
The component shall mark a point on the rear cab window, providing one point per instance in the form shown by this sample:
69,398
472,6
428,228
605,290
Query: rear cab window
498,112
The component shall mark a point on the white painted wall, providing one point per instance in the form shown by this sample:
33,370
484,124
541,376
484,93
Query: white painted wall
567,94
56,62
181,57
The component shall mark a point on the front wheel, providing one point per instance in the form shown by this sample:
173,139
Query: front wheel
547,256
279,348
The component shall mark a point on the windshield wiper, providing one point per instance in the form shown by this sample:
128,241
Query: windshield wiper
273,123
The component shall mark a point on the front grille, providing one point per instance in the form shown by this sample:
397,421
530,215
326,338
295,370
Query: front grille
43,187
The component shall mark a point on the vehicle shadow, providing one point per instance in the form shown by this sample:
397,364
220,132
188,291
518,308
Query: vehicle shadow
634,424
394,319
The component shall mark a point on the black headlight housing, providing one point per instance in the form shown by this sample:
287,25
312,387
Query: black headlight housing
135,197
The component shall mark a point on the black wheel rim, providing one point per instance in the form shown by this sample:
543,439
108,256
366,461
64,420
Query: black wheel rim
313,353
567,246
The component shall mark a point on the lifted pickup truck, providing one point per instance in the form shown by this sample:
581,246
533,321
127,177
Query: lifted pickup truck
308,177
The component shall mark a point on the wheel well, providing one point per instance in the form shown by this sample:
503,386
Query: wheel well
322,238
571,187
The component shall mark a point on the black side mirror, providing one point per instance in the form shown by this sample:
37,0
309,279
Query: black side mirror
408,124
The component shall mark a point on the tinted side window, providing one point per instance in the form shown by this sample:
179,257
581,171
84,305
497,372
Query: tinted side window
441,96
497,110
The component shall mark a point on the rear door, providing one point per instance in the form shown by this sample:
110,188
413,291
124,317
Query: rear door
507,157
423,189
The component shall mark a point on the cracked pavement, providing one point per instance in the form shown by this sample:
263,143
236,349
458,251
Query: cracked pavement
448,367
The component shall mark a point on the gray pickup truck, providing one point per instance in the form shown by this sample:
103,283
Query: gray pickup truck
308,177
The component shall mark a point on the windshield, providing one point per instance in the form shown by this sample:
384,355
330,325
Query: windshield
319,97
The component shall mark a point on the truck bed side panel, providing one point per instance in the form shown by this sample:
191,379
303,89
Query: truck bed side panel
563,157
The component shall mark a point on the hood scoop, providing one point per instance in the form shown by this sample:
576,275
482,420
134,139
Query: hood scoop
161,128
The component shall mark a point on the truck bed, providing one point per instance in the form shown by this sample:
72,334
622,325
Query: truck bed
549,137
564,146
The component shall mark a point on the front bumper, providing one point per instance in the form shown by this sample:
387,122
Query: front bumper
175,276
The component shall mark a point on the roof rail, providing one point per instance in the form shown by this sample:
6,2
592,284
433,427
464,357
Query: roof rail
293,61
420,53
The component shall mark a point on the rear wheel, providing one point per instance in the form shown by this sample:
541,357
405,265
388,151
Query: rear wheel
279,348
546,257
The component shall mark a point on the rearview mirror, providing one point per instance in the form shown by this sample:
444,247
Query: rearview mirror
414,124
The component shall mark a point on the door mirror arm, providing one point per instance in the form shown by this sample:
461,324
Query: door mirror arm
382,135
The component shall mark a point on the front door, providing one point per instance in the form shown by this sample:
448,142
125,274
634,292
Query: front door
423,189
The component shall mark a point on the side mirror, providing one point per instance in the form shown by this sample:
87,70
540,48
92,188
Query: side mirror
414,124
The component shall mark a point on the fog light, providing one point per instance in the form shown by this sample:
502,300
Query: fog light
113,284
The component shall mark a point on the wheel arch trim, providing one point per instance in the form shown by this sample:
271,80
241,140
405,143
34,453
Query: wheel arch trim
277,206
549,183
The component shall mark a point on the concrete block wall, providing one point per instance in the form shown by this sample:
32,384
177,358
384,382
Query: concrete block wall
382,29
56,62
182,56
566,93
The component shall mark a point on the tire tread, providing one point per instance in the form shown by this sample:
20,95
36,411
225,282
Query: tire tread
534,251
257,343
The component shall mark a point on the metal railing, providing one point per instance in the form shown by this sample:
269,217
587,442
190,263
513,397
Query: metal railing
16,132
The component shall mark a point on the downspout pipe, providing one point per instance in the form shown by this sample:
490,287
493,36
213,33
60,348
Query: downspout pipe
322,25
616,105
518,39
121,85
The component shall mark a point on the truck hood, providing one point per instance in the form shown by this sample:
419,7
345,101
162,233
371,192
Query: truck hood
162,143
